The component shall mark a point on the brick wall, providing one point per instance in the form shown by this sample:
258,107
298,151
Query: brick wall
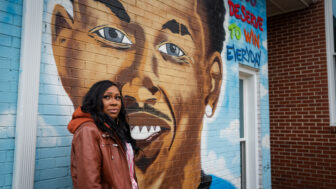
303,145
10,37
188,89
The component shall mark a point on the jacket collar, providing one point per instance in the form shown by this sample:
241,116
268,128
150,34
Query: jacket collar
78,117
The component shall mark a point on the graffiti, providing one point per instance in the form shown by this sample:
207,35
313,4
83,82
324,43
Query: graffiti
242,55
267,166
252,2
240,13
234,29
251,35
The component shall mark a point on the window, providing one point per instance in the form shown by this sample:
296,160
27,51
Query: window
330,14
248,128
242,137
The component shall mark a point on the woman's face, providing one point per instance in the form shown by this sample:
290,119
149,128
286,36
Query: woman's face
112,102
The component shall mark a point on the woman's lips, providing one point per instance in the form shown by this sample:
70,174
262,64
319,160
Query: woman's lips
152,130
113,111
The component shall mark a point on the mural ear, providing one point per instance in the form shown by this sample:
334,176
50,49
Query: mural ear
61,25
216,75
61,31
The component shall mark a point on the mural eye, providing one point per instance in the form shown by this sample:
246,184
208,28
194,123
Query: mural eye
113,35
171,49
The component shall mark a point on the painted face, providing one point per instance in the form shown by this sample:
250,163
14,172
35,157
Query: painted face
157,51
112,102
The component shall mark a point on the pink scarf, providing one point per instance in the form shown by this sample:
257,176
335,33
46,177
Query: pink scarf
130,156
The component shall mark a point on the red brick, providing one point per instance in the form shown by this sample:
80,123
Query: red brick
303,144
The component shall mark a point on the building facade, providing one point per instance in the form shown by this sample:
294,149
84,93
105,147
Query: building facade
302,97
194,74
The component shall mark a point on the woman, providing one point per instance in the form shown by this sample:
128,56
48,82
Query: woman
102,146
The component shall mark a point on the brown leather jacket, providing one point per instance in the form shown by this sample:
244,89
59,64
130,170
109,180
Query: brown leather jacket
97,161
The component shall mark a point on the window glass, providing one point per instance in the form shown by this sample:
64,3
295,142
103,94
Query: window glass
243,164
241,108
334,22
334,76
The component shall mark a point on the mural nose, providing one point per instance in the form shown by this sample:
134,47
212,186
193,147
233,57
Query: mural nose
141,92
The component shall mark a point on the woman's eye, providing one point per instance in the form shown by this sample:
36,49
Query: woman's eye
106,97
113,35
118,97
171,49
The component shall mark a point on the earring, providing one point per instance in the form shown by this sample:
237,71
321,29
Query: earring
208,111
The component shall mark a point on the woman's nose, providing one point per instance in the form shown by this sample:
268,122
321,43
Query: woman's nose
113,102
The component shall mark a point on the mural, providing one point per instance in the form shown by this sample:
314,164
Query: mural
170,70
250,25
247,45
177,62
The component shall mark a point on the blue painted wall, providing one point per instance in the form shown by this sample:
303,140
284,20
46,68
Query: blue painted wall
10,38
248,49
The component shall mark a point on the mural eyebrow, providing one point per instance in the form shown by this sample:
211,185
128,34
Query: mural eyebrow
117,8
174,27
184,30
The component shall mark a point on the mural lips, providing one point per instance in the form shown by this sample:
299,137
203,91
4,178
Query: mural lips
153,134
146,128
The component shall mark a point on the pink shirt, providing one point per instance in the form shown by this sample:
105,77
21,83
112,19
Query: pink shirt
130,157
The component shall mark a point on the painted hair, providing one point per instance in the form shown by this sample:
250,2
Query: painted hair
215,13
93,104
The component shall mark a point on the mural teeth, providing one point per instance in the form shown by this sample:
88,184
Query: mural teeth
151,130
135,132
139,135
136,129
144,130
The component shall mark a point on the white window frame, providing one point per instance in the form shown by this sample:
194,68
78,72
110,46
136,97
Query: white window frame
251,126
243,139
331,55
